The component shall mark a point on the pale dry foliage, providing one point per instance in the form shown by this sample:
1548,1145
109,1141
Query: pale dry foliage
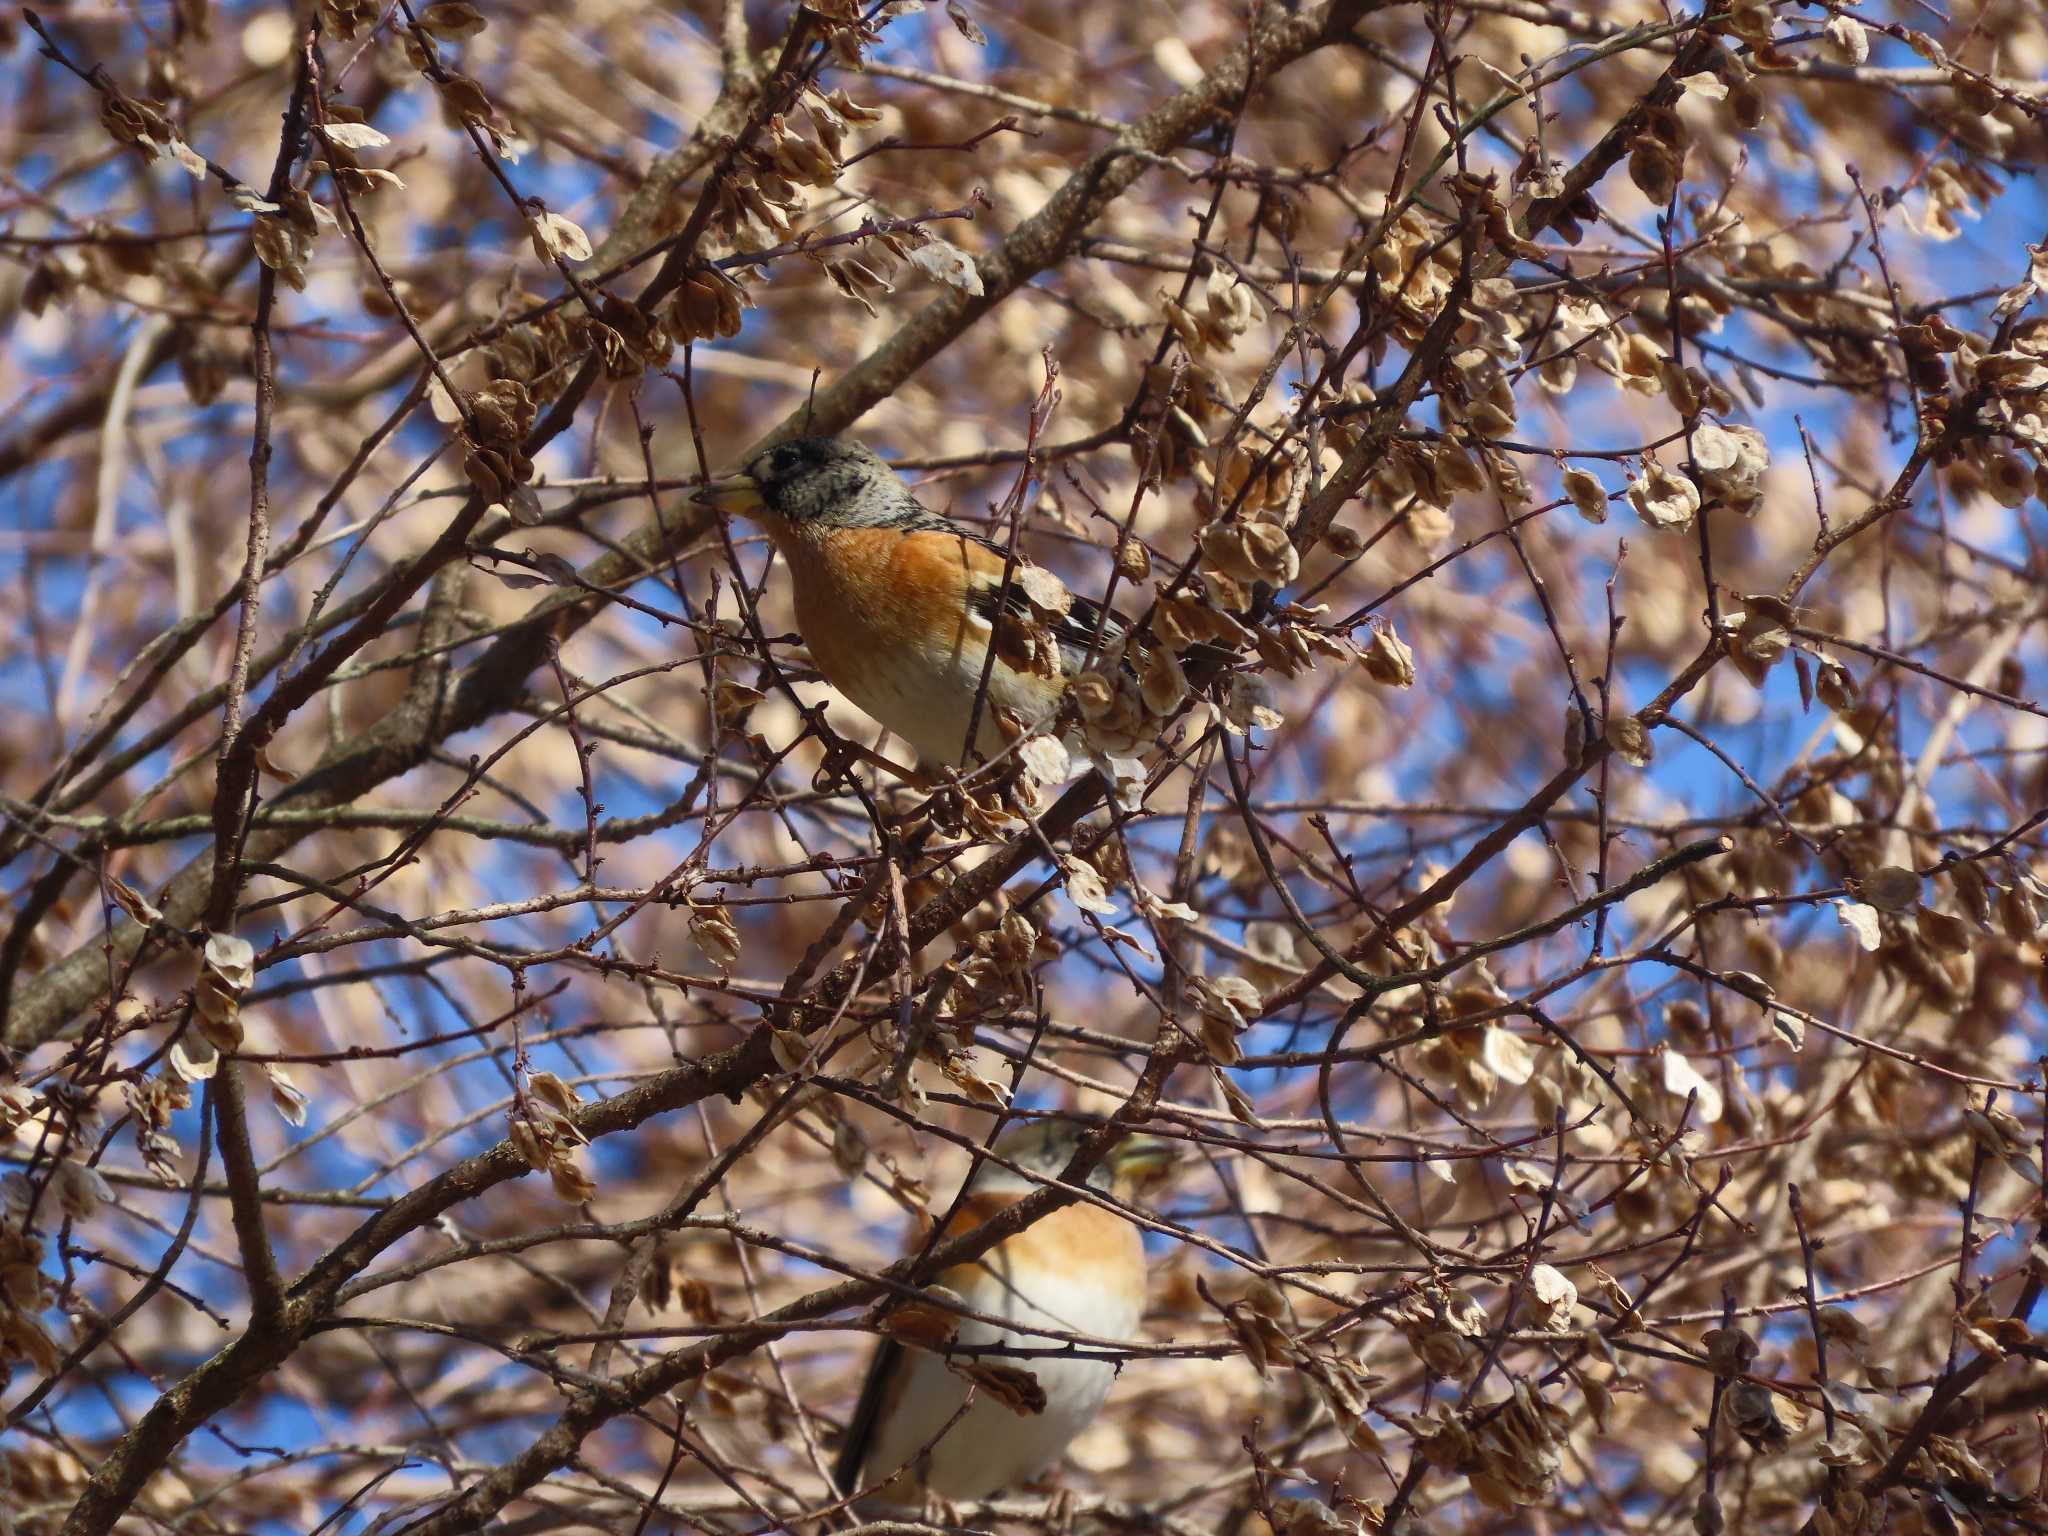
471,1046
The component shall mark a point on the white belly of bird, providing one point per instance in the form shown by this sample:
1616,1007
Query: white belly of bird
928,700
991,1448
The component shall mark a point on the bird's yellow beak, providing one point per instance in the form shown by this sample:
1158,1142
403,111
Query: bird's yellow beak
739,493
1141,1159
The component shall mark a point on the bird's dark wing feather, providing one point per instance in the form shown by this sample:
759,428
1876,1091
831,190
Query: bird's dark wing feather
860,1429
1077,627
1072,630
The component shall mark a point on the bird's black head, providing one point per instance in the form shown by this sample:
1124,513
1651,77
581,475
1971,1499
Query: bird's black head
831,480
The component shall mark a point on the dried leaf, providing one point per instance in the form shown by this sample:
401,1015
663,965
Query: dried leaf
2019,913
1047,759
1630,740
1790,1027
1553,1294
1012,1386
230,958
1586,494
946,263
967,28
1047,594
452,21
571,1183
1681,1078
1248,704
1506,1055
1730,1351
286,1097
1891,888
1388,660
1236,1100
353,135
1861,921
132,901
194,1058
716,935
1664,498
926,1324
1942,931
80,1189
959,1069
1836,687
553,1092
1847,42
1085,889
556,237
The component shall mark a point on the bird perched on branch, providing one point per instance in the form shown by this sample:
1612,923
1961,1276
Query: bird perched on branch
1079,1270
900,605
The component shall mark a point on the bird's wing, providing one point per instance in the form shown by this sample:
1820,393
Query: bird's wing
860,1429
1086,623
1085,632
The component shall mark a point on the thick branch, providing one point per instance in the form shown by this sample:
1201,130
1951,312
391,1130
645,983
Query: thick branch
399,742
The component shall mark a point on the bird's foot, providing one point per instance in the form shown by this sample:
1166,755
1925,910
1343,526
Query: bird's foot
936,812
1059,1504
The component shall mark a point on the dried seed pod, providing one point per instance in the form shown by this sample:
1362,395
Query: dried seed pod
1388,660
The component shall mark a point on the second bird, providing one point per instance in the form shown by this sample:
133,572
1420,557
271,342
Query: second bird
1078,1270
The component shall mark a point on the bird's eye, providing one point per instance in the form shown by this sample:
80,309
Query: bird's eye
782,461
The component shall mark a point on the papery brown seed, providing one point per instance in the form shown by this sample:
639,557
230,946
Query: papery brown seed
2018,912
1388,660
1227,548
131,120
1133,562
1344,541
1630,740
1972,894
1587,495
1746,104
464,97
1272,553
569,1179
1945,932
452,20
1891,888
1835,686
1093,694
1226,592
1654,168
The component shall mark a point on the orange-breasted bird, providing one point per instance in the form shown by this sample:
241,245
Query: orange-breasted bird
897,604
1079,1270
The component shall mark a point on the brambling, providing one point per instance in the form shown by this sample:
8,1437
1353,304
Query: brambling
897,604
1079,1270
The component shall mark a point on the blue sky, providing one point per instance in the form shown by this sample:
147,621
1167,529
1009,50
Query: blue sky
48,356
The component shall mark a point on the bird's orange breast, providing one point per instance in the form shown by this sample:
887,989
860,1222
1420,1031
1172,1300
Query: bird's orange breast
885,614
1073,1240
871,599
